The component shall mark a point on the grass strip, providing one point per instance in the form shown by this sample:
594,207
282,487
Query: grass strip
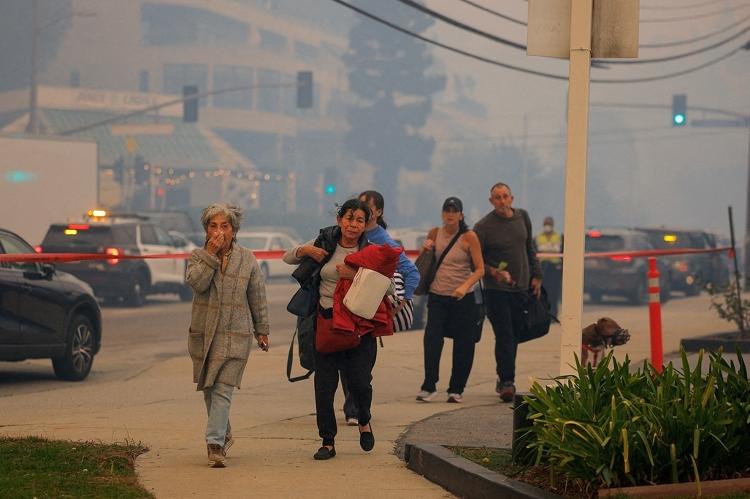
41,468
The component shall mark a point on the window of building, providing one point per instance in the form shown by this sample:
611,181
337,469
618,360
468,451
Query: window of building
143,81
177,76
75,78
273,42
183,25
232,77
269,91
305,51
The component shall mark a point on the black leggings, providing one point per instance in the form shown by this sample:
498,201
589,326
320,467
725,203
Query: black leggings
356,364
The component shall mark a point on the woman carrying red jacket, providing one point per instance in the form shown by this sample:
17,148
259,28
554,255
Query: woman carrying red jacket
344,239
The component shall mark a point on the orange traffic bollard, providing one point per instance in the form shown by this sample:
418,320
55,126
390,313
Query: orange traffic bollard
654,315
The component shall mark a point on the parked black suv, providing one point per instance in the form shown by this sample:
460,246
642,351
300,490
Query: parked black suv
690,273
113,279
620,275
45,313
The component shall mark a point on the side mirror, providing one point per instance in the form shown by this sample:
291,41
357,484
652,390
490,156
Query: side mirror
48,269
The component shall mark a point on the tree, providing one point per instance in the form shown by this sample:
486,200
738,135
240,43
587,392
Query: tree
389,74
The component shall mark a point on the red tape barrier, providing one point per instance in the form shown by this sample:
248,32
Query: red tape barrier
276,254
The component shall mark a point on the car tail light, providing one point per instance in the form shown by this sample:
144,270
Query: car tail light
113,252
681,266
622,258
594,233
79,226
38,248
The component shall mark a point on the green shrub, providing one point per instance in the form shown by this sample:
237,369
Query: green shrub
617,428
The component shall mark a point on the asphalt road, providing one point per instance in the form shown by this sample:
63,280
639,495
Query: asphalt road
135,339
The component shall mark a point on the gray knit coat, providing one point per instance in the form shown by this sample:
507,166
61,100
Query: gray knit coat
227,310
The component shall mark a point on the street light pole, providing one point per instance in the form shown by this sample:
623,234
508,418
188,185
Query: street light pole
33,126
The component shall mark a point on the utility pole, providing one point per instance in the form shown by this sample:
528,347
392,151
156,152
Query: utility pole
33,126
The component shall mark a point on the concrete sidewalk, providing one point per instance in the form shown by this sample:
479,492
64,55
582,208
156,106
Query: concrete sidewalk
274,421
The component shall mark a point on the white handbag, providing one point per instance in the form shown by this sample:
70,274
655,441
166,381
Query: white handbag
367,291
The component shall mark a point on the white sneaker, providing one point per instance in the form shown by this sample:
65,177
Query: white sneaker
455,398
425,396
352,421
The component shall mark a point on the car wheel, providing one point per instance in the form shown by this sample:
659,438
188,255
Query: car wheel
595,296
639,295
186,293
76,363
266,272
136,297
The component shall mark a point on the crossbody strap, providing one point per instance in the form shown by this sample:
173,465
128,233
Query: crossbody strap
447,249
289,362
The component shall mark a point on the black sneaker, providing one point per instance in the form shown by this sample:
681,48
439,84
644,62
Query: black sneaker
324,453
507,391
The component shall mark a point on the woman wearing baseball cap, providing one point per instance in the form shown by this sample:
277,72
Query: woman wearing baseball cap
453,311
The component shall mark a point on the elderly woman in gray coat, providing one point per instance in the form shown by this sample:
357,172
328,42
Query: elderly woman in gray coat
229,307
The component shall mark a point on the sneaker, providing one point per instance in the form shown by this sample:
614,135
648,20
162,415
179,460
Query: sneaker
425,396
228,442
455,398
507,391
352,421
215,456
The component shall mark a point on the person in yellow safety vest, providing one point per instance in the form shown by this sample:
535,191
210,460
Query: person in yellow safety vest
550,241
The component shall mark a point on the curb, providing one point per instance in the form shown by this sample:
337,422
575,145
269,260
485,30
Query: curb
465,478
713,342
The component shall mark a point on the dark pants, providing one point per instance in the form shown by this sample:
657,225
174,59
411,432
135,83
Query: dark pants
552,278
505,315
449,317
351,410
356,364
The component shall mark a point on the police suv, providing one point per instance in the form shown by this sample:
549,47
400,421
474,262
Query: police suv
119,279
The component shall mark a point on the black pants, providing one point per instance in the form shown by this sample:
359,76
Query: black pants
356,364
552,273
455,319
351,410
504,312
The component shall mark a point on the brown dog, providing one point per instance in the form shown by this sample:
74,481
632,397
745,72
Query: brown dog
595,338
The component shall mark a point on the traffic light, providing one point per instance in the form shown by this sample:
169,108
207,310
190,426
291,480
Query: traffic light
679,110
142,170
329,182
304,89
190,104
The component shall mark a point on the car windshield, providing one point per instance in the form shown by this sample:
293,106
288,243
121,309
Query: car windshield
604,243
252,242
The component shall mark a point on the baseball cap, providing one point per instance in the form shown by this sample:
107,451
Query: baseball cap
453,203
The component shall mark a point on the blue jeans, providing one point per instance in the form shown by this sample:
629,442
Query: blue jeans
218,399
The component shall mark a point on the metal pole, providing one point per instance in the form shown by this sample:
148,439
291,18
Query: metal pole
736,272
33,126
575,182
747,218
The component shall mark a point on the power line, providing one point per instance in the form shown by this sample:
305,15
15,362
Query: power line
697,16
696,39
489,36
447,47
523,70
494,12
460,25
678,7
683,55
